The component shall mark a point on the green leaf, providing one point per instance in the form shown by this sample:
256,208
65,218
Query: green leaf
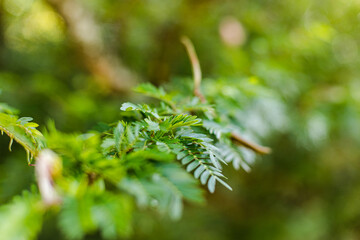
198,171
107,145
146,109
152,126
129,107
84,213
215,128
150,90
5,108
234,155
21,218
192,166
118,135
24,120
224,183
204,177
163,147
23,132
158,93
211,184
168,187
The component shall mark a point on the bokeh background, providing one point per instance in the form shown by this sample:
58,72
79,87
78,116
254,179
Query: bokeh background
288,70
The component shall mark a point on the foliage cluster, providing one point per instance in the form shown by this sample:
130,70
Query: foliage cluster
153,157
293,82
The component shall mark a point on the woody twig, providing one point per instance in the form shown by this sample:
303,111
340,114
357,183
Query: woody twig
236,138
195,67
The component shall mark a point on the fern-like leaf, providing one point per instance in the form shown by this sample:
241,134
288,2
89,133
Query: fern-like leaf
234,155
215,128
165,190
200,162
146,109
21,218
24,132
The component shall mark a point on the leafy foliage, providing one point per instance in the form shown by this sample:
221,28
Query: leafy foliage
22,130
164,190
149,156
304,53
85,211
22,218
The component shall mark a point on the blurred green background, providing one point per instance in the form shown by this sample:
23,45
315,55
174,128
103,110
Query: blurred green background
288,70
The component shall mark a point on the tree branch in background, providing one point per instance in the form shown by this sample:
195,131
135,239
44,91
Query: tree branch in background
85,33
197,92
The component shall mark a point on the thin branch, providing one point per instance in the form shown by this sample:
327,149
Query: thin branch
195,67
197,92
246,143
